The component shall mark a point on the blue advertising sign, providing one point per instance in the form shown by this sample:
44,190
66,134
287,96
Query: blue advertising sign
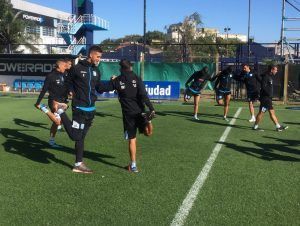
163,90
156,90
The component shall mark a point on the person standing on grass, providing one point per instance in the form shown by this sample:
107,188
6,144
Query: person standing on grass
266,95
58,92
84,79
223,88
198,78
250,80
133,98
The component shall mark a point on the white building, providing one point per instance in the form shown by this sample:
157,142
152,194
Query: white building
174,33
45,21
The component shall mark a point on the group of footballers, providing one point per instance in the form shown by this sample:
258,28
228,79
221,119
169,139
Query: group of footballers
81,81
259,87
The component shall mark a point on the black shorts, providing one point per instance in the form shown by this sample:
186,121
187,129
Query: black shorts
265,104
131,123
220,94
252,96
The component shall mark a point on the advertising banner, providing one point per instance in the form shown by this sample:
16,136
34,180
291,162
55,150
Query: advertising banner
29,64
155,90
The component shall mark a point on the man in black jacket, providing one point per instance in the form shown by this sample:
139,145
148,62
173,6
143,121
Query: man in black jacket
199,79
132,97
223,88
58,92
266,94
250,79
84,78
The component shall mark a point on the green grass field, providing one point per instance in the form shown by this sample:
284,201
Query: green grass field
255,179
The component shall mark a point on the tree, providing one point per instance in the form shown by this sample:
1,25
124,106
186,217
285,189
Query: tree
12,29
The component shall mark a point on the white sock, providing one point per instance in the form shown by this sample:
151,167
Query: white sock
60,111
57,116
195,116
78,163
44,109
51,139
277,125
253,117
255,126
133,164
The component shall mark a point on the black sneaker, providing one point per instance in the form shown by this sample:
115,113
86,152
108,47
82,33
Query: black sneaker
82,168
281,128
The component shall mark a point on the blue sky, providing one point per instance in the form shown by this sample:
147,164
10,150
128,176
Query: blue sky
126,16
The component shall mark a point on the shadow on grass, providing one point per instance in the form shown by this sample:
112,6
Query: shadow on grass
101,114
292,123
202,118
33,148
265,151
27,124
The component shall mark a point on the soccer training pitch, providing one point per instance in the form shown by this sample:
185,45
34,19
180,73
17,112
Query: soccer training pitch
206,172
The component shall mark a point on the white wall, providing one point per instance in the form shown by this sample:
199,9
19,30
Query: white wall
35,8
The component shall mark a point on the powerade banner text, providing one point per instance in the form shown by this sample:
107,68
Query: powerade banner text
29,64
156,90
37,19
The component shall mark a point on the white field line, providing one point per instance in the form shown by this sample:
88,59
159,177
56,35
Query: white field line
188,202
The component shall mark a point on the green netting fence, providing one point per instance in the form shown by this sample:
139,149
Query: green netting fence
158,71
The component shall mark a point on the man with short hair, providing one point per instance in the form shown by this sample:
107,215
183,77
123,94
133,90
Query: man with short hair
84,78
266,94
58,93
133,98
223,88
198,80
250,80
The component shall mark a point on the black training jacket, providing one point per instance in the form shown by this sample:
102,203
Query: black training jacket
56,86
132,93
224,80
198,78
266,85
250,79
84,78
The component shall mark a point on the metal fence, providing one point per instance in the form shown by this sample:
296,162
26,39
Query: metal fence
171,52
221,55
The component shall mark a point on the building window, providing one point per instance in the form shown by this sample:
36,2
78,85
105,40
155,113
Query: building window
32,30
48,31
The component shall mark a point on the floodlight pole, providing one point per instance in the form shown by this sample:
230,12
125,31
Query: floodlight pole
282,28
144,38
142,54
249,18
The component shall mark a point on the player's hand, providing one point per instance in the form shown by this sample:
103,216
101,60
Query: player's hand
113,77
37,106
151,115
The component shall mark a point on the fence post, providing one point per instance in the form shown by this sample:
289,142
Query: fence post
142,60
285,83
217,63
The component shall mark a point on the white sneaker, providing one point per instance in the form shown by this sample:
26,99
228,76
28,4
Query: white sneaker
196,117
252,120
226,119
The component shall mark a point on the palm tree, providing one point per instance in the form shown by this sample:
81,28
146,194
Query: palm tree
12,30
